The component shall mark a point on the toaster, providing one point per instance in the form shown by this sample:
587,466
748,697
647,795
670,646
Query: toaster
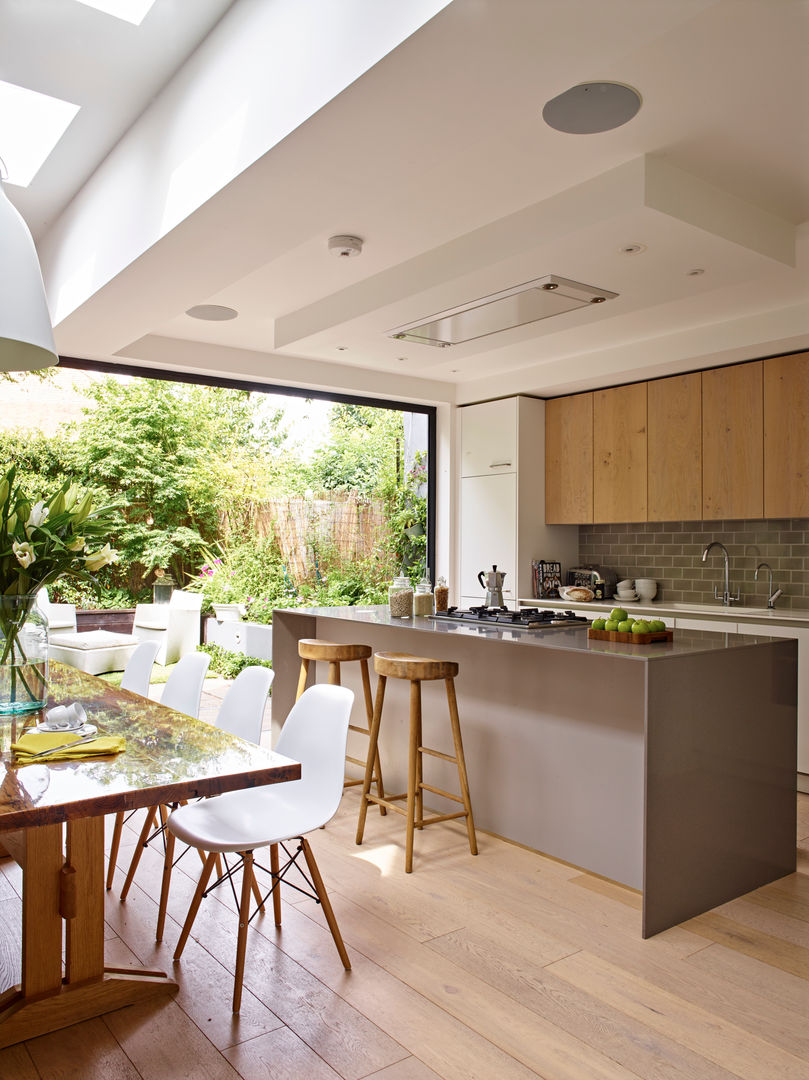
591,577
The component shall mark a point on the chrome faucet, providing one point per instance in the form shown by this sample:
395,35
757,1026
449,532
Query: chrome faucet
772,596
726,597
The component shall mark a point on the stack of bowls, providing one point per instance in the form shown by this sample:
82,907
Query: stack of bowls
646,589
626,591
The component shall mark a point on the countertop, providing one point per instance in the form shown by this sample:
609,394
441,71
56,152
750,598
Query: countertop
685,643
658,608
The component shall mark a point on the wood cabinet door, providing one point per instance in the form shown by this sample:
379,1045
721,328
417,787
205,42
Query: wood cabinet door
675,448
569,460
619,454
786,436
733,442
489,438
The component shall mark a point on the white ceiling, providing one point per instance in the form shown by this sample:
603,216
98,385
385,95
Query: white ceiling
438,158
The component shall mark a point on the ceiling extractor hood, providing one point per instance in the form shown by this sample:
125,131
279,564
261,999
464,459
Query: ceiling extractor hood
517,306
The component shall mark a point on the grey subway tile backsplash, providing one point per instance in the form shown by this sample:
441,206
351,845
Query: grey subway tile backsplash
671,552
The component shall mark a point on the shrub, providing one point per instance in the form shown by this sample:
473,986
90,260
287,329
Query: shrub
228,664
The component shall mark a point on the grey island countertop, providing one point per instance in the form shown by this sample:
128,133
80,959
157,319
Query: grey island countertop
573,639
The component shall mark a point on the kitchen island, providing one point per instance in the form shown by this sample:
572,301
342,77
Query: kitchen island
668,767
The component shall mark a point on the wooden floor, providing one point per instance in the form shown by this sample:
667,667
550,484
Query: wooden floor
502,967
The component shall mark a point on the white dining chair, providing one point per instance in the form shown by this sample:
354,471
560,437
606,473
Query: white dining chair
182,692
241,713
314,734
137,674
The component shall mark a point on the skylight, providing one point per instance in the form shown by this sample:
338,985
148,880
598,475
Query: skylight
31,125
131,11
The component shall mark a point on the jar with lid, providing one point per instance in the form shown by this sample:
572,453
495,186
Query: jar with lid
441,595
400,597
423,600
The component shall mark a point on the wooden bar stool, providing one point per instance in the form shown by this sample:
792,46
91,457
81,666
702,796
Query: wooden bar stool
310,649
417,669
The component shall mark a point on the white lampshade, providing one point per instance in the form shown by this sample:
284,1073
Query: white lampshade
26,336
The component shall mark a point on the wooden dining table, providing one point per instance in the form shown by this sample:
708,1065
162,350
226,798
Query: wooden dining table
52,823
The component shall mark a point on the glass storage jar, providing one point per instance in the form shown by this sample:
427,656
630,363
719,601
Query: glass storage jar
441,595
423,600
400,597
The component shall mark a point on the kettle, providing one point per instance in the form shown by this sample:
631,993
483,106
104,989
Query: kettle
493,586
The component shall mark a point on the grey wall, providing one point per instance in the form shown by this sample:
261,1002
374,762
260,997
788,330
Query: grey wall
671,553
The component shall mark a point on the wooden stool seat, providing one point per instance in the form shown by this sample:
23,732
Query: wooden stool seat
417,669
335,653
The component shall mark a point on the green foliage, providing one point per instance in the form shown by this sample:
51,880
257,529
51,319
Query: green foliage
41,460
228,664
250,572
364,450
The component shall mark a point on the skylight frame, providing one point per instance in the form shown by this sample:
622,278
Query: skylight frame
31,126
131,11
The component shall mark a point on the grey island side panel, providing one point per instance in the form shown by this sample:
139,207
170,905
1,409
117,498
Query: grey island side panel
555,731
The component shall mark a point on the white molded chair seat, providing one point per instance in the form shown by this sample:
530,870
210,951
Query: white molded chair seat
315,734
183,692
174,626
242,709
138,671
59,616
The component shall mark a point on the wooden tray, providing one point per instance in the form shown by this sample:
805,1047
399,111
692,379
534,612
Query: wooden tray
631,639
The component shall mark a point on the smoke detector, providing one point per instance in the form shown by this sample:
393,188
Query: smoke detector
345,247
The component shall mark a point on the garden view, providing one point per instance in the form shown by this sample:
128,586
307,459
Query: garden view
220,492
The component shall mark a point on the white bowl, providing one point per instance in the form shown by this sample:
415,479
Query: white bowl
627,583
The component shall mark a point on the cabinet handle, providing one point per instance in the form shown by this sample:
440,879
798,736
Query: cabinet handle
500,464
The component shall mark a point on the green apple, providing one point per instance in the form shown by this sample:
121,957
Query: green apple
657,625
618,614
625,626
598,624
611,624
640,626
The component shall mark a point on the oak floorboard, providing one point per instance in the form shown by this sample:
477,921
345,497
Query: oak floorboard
763,946
411,1068
776,900
10,943
6,891
788,994
163,1043
747,1055
502,963
506,1023
85,1051
803,816
281,1055
16,1064
767,920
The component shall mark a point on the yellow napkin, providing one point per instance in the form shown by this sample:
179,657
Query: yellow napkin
34,742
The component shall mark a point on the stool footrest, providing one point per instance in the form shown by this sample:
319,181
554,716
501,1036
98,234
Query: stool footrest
439,791
388,802
438,754
355,761
361,730
439,817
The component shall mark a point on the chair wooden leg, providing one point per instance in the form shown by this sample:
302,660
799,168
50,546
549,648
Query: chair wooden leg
456,736
202,884
168,865
148,824
369,712
412,769
372,752
302,678
244,922
257,895
276,893
114,846
320,889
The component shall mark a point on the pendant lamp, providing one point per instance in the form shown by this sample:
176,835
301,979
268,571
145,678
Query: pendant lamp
26,336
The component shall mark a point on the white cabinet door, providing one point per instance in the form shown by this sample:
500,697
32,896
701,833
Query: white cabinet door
802,635
723,626
489,438
488,531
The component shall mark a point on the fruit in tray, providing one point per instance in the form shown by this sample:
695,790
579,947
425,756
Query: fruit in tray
619,620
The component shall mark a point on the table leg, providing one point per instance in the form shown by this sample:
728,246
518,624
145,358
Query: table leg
84,932
41,918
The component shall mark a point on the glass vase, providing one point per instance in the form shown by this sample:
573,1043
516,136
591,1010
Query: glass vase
23,655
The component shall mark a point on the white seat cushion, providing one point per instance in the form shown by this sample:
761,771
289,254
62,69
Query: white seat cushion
92,639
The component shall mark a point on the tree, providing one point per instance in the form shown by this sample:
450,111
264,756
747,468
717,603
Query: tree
364,452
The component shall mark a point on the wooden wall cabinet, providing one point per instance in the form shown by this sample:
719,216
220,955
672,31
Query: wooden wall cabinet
675,448
619,453
569,460
786,436
733,442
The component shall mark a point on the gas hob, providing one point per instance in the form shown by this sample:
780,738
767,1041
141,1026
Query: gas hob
523,618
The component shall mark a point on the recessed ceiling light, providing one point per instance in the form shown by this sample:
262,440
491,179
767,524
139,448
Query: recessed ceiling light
31,125
212,312
591,107
131,11
695,272
342,348
632,249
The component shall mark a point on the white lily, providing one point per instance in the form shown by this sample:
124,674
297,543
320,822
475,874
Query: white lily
38,516
78,544
24,553
100,558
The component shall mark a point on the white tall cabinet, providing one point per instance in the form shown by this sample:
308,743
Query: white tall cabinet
502,513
